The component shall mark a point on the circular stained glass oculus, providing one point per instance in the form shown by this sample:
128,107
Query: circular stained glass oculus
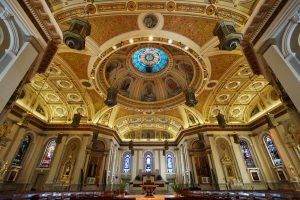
149,59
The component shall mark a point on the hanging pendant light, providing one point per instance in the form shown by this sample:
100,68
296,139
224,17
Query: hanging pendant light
190,99
75,36
221,120
130,146
228,37
111,99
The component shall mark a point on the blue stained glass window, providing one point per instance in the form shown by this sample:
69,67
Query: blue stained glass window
246,154
149,59
22,150
272,150
48,153
126,162
170,163
148,160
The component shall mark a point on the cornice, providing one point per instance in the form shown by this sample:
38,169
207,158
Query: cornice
110,132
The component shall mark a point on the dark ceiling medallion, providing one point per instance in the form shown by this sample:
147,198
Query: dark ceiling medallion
228,37
150,21
75,36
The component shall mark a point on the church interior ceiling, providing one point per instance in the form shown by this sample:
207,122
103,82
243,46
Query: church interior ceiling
173,36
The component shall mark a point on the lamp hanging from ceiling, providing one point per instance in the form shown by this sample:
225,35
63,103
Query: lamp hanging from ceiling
78,30
190,98
77,116
130,146
112,93
221,120
228,37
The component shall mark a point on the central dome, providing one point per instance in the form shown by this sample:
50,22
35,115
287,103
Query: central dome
148,76
149,59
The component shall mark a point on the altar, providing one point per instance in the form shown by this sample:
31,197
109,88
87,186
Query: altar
143,179
149,189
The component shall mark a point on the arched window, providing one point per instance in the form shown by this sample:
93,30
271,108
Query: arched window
48,153
272,150
246,154
126,162
148,161
170,162
22,150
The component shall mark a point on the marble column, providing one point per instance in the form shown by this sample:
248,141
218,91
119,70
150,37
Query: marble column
15,145
281,150
56,160
262,160
216,159
240,161
11,136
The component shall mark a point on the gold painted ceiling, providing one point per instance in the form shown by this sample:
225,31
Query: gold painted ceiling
222,80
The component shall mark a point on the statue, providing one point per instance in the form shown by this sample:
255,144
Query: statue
149,94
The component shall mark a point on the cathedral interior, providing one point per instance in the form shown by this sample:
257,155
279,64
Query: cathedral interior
104,95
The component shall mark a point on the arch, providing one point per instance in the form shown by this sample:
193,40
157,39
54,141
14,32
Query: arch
170,162
227,160
148,158
69,159
246,152
272,150
48,154
98,145
126,162
17,161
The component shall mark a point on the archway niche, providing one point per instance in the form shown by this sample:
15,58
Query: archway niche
96,163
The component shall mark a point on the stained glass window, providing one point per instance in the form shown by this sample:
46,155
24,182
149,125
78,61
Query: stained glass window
149,59
246,153
272,150
170,162
148,159
48,153
22,150
126,162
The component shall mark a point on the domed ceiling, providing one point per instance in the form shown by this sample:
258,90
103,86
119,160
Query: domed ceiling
148,75
151,51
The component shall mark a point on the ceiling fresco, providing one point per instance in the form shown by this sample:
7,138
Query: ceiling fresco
151,52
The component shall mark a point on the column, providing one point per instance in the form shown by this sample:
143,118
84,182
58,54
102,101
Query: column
28,167
288,148
182,163
216,160
284,72
240,161
134,164
55,163
162,160
79,164
11,136
193,158
264,166
15,145
281,150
